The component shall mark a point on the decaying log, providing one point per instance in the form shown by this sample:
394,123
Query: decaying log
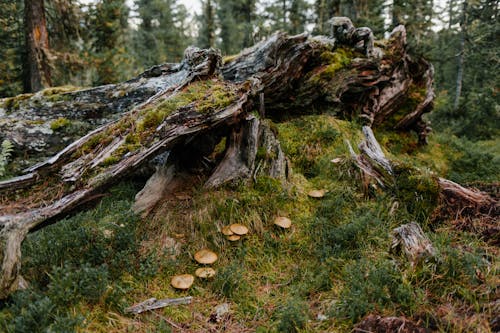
371,160
187,109
153,304
411,240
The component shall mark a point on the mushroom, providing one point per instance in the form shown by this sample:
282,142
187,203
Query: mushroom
183,281
233,238
205,256
283,222
226,231
316,193
239,229
205,272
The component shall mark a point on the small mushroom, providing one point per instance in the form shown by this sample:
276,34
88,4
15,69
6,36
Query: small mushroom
337,160
205,257
205,272
183,281
233,238
316,193
239,229
226,231
283,222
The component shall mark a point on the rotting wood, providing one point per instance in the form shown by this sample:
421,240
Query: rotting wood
412,241
153,303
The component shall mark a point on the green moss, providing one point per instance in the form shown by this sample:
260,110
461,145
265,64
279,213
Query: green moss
417,189
13,103
339,59
204,96
59,124
58,90
110,161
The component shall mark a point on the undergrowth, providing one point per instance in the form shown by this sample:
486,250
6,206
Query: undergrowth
331,269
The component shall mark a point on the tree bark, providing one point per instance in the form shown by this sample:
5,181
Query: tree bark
37,65
182,116
460,57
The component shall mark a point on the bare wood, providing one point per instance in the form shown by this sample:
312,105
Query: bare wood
153,303
411,240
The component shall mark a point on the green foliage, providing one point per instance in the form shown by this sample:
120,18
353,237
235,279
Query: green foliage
373,285
162,34
11,34
293,316
78,260
229,281
417,190
5,152
59,123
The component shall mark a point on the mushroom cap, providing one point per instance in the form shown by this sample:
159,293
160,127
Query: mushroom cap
183,281
316,193
205,256
226,231
239,229
233,238
205,272
283,222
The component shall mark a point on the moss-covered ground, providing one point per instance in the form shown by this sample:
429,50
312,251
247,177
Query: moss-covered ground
324,274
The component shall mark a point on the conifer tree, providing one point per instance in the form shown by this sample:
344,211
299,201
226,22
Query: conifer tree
161,35
109,24
206,35
11,45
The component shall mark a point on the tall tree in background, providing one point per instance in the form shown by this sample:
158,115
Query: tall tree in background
416,16
161,35
65,22
109,20
37,61
237,20
367,13
287,15
466,59
206,35
11,47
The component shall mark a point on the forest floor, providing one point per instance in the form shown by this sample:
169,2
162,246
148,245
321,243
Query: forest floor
326,273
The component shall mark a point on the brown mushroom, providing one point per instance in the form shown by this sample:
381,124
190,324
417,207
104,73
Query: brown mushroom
205,272
205,257
283,222
233,238
239,229
316,194
183,281
226,231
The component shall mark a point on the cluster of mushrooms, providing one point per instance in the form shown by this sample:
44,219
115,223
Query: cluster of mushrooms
233,232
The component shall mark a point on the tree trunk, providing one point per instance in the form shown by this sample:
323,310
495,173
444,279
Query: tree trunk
179,113
37,65
460,57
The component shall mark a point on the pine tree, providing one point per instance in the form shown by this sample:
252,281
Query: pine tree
109,22
161,35
416,16
11,46
206,35
37,59
237,20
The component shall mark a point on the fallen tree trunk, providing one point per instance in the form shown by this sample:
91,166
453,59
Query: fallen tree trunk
191,108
